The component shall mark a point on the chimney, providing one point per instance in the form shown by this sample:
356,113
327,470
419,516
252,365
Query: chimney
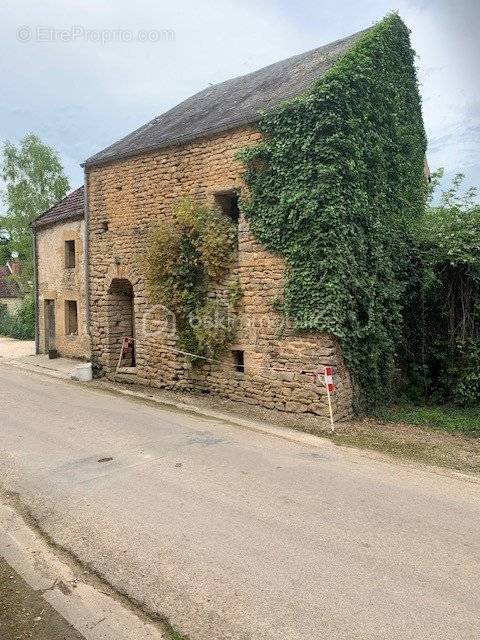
14,264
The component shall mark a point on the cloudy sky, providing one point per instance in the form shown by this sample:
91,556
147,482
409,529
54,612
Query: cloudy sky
80,94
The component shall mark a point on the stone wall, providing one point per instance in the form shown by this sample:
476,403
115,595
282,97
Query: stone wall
125,199
58,283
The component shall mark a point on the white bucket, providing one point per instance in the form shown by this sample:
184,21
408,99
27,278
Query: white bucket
83,372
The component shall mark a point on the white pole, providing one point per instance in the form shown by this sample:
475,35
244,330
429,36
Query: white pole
328,373
332,426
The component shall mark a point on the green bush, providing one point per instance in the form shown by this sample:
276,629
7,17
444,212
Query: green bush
3,318
462,378
20,325
443,317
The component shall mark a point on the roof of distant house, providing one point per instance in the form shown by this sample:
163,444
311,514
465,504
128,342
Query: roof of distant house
8,286
233,103
72,207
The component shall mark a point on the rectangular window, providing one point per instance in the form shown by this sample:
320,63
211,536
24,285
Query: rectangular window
227,201
239,360
71,318
70,254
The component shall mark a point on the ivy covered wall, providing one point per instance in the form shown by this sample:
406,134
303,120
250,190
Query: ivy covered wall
335,188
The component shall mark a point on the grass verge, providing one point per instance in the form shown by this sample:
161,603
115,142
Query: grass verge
451,419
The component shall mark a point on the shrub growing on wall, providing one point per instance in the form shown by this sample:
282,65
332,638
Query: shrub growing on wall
335,188
189,253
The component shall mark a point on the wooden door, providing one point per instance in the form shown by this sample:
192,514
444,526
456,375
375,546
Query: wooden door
49,325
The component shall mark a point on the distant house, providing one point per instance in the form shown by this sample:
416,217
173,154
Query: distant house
10,294
60,278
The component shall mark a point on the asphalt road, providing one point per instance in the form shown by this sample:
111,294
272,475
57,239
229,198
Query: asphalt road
233,534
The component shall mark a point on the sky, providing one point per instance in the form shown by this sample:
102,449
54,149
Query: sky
84,73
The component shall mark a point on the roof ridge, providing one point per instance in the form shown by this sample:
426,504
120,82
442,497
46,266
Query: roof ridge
57,203
64,207
283,60
229,103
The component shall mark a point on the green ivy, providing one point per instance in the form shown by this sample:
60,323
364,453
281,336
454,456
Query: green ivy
335,188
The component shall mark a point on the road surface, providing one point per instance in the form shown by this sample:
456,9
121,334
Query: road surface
233,534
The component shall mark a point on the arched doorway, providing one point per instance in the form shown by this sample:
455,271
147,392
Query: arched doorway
121,321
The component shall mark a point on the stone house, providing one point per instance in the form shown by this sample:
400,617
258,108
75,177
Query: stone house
10,294
191,151
60,278
92,298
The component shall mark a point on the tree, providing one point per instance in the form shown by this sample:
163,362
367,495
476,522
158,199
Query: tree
5,247
446,312
35,181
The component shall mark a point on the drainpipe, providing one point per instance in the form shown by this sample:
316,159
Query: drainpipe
87,251
35,285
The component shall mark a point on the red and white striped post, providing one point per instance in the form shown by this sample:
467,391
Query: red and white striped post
328,372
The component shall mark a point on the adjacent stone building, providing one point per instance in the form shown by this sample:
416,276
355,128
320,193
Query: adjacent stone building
191,151
60,279
10,295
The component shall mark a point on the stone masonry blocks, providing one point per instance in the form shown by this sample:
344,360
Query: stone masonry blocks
130,196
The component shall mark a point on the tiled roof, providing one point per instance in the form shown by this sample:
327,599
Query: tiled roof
8,287
229,104
72,207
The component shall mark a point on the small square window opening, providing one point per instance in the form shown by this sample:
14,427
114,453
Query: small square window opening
239,360
71,317
228,204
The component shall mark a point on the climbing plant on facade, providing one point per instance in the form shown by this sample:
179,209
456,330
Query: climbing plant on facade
334,188
188,255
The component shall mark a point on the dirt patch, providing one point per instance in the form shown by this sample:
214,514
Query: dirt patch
25,615
424,444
